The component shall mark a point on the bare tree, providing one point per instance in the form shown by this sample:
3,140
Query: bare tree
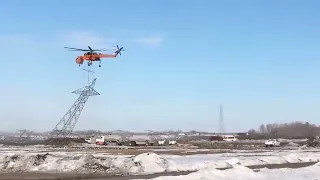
287,130
262,129
268,128
252,132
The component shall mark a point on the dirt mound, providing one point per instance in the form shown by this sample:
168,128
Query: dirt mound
21,143
61,142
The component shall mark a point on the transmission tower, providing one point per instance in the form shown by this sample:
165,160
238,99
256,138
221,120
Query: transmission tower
69,120
221,121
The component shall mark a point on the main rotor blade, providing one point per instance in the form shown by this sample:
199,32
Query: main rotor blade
98,50
105,49
76,49
113,48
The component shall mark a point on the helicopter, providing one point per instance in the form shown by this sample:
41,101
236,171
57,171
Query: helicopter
91,55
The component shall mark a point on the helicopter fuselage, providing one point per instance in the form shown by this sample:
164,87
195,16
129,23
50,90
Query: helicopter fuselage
88,57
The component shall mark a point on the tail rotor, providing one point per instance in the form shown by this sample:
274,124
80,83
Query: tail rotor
119,50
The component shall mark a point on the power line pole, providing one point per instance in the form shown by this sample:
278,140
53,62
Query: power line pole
221,121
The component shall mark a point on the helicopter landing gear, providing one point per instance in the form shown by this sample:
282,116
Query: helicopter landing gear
99,63
90,63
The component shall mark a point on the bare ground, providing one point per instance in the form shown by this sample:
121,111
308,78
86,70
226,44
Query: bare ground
71,176
137,151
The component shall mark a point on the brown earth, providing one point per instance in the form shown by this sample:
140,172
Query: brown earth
61,142
69,142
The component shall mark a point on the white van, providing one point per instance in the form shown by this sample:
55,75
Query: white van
230,138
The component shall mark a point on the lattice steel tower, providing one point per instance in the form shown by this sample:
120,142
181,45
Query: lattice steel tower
69,120
221,121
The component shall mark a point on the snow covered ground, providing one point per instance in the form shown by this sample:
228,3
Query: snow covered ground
228,160
206,165
244,173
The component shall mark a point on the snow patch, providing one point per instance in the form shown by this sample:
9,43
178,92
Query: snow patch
243,173
149,163
143,163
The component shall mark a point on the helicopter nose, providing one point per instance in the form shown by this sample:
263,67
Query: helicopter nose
79,60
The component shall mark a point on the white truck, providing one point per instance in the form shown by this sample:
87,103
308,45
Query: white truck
101,141
161,142
114,138
172,142
141,140
272,143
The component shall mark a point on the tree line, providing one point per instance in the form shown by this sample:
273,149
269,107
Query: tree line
287,130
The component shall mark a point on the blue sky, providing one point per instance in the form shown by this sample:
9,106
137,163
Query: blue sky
260,59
